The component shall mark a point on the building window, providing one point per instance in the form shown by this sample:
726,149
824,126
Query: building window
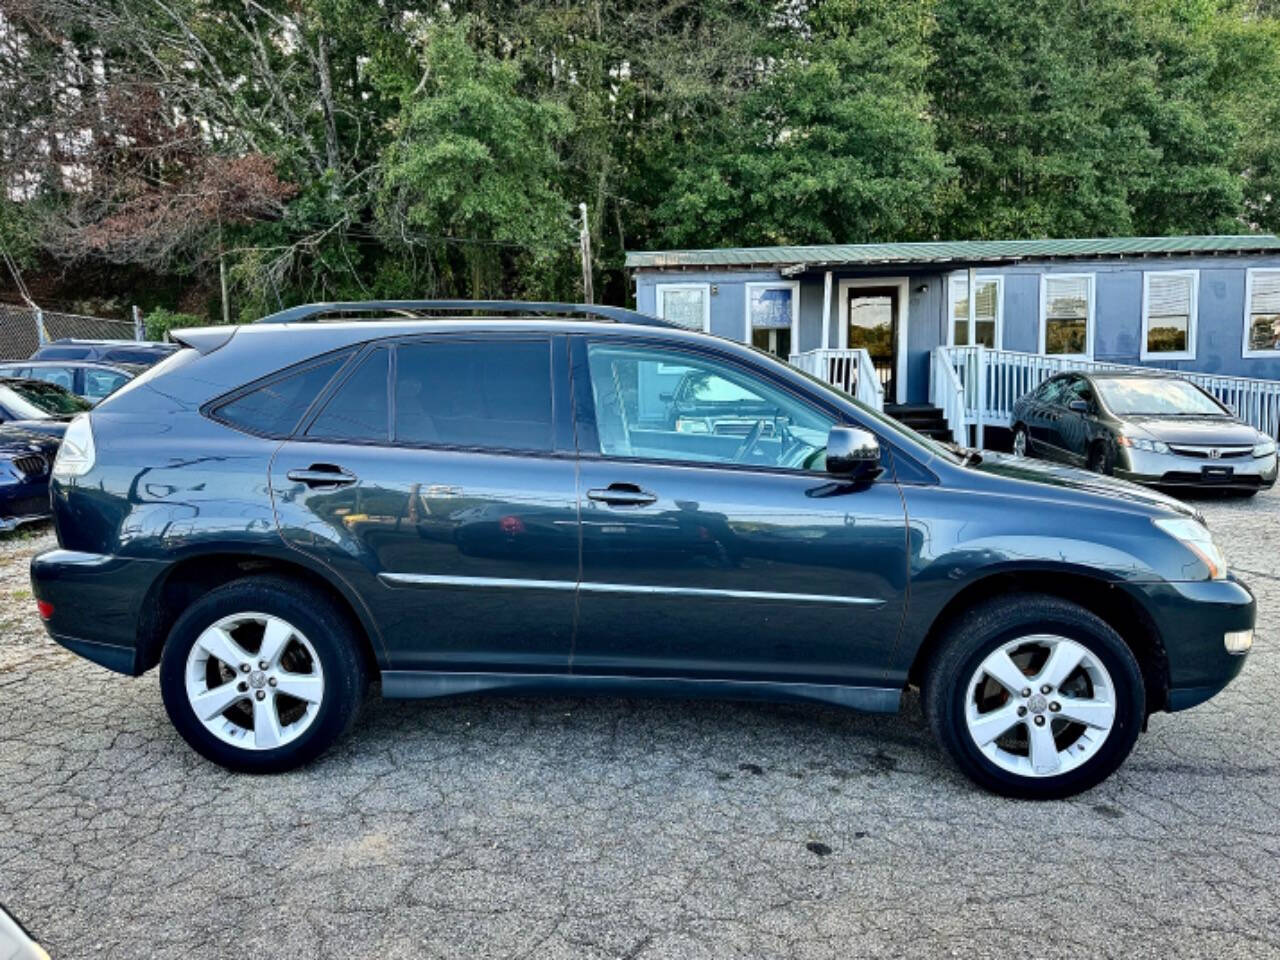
1169,315
686,305
1262,313
1066,315
772,317
988,311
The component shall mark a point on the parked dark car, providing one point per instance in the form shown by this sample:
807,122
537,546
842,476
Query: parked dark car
142,353
91,379
25,459
503,504
1150,428
38,406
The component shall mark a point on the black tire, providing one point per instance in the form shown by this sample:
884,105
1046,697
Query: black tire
975,635
1101,459
329,633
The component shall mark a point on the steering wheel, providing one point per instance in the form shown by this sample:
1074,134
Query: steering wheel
749,442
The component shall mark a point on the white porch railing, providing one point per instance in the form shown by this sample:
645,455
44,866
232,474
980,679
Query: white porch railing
947,393
992,380
849,370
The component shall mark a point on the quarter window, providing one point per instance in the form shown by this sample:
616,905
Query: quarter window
358,409
987,310
490,394
275,408
1066,315
1262,312
654,403
1169,315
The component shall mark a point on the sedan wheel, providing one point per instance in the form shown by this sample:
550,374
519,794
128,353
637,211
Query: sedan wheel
1040,705
254,681
1019,442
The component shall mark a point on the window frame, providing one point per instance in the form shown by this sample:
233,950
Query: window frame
794,287
1090,318
1144,352
1245,350
705,287
981,278
587,437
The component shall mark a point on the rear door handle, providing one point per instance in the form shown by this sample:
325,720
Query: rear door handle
622,495
322,475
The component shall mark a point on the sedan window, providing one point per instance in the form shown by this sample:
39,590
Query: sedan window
101,383
662,404
1156,396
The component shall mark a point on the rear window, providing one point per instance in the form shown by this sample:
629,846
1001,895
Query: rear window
493,394
358,409
275,408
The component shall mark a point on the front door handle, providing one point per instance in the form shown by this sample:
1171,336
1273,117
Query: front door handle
622,495
322,475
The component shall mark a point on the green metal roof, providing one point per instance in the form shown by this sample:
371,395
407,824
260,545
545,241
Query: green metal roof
958,251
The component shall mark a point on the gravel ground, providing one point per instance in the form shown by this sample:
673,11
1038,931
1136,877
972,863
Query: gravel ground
618,828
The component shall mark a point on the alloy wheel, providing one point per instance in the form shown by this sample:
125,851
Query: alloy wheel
1019,443
1040,705
254,681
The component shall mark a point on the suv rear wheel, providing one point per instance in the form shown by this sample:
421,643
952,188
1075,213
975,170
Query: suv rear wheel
1032,696
262,675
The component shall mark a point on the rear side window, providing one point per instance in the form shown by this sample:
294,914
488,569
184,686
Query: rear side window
358,409
275,408
100,383
491,394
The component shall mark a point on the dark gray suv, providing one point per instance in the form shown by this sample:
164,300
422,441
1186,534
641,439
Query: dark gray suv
508,500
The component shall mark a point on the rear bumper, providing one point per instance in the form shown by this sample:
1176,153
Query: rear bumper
1192,619
98,603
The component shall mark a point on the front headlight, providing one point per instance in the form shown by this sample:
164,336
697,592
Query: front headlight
1264,449
1142,443
76,454
1195,537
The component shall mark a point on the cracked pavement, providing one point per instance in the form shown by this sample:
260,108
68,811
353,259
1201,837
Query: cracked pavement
498,827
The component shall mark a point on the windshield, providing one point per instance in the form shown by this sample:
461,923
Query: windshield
29,400
1155,396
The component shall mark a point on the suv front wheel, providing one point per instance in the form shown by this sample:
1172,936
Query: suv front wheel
262,675
1032,696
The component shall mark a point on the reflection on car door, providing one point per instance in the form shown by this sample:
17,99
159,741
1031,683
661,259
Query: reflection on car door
703,555
439,481
1072,425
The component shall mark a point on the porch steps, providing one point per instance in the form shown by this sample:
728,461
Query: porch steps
920,417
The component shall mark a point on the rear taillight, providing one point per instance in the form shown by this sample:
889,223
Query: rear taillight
76,454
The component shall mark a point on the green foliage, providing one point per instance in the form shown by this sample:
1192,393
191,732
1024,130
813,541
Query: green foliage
160,321
444,149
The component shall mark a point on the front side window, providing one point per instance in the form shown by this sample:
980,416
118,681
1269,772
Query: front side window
274,409
686,305
1066,327
1169,315
986,321
485,394
655,403
1262,312
63,377
772,311
357,411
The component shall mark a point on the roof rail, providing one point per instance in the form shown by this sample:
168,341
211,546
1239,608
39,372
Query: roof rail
417,308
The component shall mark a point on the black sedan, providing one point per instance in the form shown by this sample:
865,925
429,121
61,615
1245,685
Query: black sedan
25,459
1151,428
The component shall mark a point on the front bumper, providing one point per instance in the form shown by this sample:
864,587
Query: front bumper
23,502
1192,619
1175,470
99,603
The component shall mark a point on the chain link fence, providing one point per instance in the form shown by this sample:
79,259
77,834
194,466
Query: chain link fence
23,329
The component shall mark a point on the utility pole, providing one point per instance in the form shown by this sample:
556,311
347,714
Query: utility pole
584,241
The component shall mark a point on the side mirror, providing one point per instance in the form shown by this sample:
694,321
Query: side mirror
852,453
1078,406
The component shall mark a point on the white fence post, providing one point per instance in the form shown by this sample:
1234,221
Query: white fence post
41,336
980,439
137,322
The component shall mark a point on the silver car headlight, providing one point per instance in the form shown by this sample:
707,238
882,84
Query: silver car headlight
1264,449
1142,443
1195,537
